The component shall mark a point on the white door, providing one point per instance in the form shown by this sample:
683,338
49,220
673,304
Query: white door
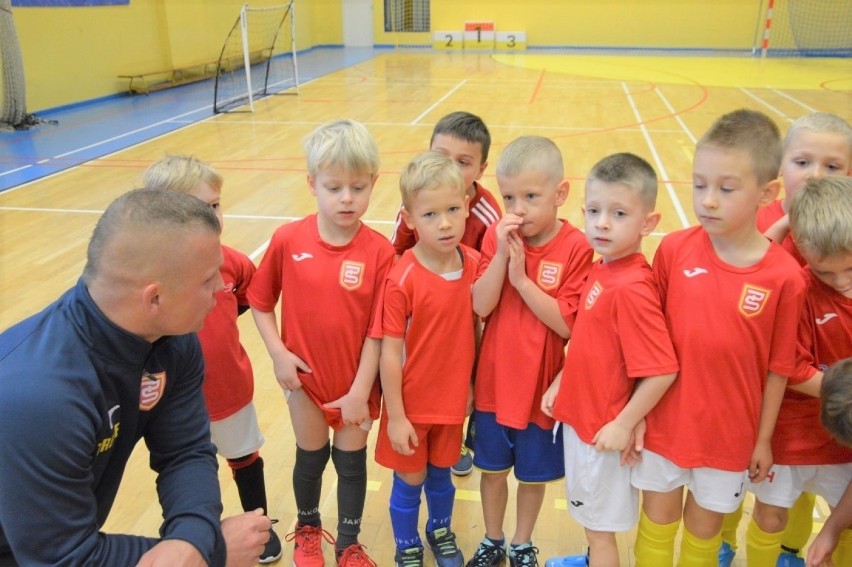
358,23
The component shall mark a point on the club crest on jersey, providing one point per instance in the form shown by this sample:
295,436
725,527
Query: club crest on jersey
594,293
351,274
548,274
753,300
151,391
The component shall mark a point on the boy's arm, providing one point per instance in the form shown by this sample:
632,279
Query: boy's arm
353,406
284,362
400,430
809,387
773,394
779,230
617,434
549,397
840,519
489,285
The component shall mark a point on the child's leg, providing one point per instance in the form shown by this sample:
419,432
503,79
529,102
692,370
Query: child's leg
800,523
730,525
405,508
251,485
349,456
658,525
530,498
312,454
763,539
843,552
603,549
494,489
702,535
440,495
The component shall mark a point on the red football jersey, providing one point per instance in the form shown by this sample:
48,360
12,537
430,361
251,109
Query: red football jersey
228,380
825,337
484,211
730,326
620,335
435,317
520,356
329,298
767,216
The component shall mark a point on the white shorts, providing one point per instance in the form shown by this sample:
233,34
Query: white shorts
600,496
713,489
237,435
785,483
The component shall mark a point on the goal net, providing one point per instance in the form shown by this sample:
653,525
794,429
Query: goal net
807,28
13,95
258,58
403,16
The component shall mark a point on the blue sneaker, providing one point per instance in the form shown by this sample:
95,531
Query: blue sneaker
568,561
442,542
487,555
524,555
411,557
464,466
726,555
790,559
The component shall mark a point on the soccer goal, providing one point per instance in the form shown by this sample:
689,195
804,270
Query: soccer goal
806,28
258,58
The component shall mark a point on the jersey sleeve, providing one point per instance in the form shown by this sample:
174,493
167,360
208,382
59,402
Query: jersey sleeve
395,311
575,279
645,340
489,248
660,268
265,288
383,267
245,272
805,362
782,358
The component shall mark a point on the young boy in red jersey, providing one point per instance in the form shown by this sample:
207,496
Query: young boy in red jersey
228,378
427,315
836,417
465,139
534,266
620,362
732,301
328,269
816,145
821,225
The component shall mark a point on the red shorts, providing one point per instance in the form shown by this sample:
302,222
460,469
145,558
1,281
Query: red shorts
438,445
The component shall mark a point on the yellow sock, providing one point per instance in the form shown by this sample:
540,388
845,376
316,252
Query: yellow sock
697,552
800,522
762,548
654,543
730,525
843,554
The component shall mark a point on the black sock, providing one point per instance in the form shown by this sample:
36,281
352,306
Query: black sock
351,469
307,483
251,484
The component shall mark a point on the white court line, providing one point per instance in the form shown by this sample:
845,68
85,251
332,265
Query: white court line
795,100
439,101
764,103
674,114
669,187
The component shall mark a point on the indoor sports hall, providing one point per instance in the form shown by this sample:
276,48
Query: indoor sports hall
104,88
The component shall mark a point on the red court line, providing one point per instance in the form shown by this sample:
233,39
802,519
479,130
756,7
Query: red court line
537,86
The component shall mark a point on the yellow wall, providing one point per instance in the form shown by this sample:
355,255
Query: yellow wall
75,54
720,24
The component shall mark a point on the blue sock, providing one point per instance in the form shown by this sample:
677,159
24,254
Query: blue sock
404,513
440,496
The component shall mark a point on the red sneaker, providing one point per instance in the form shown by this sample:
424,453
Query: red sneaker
355,556
308,549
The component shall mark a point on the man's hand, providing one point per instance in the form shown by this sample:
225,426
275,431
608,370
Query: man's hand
245,535
173,552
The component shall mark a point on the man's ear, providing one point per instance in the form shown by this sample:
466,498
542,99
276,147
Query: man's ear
151,298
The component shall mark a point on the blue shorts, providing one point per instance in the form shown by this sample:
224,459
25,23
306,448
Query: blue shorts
534,452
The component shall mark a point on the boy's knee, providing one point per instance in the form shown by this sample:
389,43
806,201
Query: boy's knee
770,519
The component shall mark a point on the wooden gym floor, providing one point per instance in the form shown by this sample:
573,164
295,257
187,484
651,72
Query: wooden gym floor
591,105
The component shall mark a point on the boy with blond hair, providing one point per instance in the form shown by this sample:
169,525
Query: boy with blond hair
816,145
820,223
533,271
228,378
620,362
427,314
465,139
732,301
328,269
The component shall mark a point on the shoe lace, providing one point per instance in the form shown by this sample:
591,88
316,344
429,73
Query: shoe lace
527,556
445,541
355,556
486,555
309,539
412,558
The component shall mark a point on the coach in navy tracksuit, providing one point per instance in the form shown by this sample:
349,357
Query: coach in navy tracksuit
107,364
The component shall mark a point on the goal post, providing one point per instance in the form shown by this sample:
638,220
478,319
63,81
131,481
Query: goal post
258,58
804,28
